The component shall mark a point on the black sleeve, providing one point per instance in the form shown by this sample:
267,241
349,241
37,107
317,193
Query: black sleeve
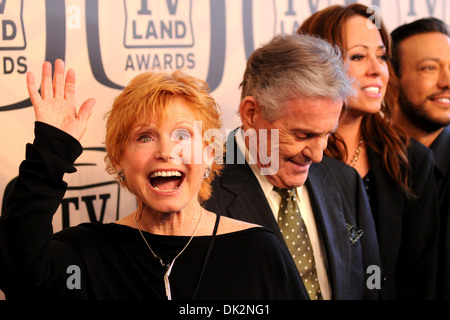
419,252
280,270
26,224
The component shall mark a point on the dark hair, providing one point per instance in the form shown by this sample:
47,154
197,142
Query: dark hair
378,132
425,25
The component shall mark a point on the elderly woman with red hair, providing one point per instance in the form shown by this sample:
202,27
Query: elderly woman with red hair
170,247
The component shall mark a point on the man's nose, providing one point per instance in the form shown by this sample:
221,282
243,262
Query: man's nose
314,149
444,79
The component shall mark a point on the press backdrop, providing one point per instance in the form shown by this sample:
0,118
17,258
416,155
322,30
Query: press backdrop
108,42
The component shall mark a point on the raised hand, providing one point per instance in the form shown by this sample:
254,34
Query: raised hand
56,103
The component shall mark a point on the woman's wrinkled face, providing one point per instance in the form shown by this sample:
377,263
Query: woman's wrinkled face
163,161
366,56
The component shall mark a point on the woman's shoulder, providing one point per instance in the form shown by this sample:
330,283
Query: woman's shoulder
89,234
248,235
230,225
335,170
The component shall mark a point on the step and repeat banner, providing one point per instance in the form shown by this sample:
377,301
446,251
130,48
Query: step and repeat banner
108,42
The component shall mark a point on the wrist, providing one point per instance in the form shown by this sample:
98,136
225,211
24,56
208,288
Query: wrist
57,141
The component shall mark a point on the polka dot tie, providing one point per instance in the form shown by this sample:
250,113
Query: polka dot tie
296,236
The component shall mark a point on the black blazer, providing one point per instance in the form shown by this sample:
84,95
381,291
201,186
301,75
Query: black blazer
407,226
341,209
441,152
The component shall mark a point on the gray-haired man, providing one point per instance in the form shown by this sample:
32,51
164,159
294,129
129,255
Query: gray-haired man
293,93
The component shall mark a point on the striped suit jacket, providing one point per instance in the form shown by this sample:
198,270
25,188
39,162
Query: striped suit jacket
341,210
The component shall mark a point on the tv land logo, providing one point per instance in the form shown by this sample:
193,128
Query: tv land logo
12,37
166,34
14,45
155,35
158,36
92,195
291,13
98,202
287,15
158,24
12,30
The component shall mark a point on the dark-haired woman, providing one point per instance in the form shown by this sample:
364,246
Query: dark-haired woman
397,172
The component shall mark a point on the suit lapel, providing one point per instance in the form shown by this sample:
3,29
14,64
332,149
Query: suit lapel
250,203
331,225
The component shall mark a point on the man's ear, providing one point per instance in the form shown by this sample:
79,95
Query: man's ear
249,110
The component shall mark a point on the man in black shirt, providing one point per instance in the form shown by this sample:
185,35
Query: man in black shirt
421,52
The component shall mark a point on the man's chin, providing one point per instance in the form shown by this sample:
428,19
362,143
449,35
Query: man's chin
423,116
288,182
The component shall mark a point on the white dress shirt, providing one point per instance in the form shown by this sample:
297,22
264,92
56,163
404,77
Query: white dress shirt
306,211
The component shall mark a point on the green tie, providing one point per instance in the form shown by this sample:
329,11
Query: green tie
295,234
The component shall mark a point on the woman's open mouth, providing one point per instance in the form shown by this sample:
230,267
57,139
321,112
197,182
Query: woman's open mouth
166,180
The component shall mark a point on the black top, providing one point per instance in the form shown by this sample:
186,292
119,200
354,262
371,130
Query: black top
371,191
441,151
407,226
113,260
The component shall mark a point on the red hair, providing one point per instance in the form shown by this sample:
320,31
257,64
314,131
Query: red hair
148,97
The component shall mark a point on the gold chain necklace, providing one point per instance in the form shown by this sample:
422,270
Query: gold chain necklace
169,266
357,153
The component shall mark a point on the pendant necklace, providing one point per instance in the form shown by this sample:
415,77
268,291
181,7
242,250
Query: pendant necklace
168,266
355,159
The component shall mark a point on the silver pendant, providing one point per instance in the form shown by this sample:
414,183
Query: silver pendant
166,281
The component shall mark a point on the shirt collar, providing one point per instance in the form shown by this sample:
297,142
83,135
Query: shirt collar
265,184
441,151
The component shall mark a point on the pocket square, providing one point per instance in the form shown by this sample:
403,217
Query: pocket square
353,233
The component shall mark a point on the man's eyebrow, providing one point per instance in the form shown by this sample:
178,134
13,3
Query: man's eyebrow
429,59
315,133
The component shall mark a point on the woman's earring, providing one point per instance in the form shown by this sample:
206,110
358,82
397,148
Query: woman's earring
207,172
121,176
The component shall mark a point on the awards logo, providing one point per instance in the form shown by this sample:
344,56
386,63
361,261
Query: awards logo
167,24
92,194
25,42
159,36
11,29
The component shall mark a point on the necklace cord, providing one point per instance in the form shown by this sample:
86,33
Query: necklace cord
208,253
170,265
